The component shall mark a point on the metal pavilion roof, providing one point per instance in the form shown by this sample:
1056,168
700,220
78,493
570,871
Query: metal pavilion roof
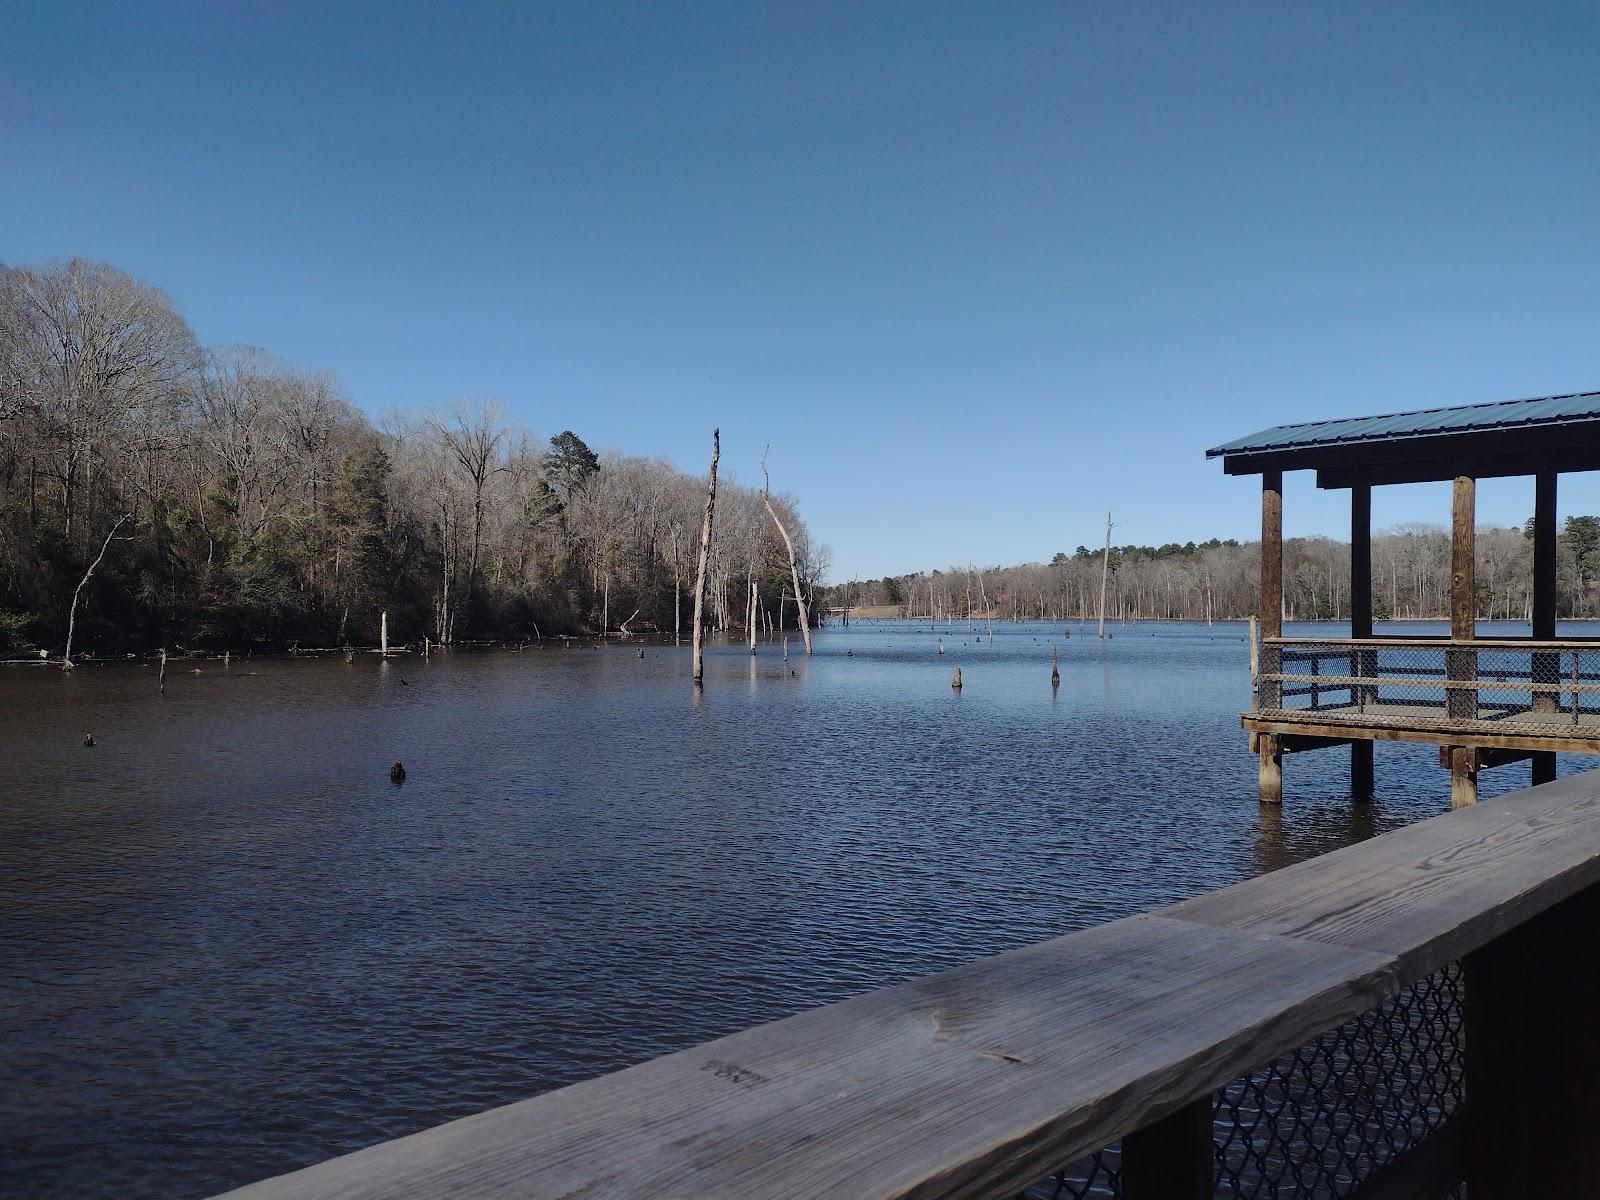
1544,411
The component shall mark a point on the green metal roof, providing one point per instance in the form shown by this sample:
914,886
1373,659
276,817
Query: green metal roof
1545,411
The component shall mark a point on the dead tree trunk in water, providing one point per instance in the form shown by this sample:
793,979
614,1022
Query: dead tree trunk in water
794,569
705,551
750,616
1105,569
72,612
677,582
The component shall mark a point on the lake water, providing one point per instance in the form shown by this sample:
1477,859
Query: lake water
230,946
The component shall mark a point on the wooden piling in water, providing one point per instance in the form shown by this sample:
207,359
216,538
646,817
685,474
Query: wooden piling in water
955,680
1269,772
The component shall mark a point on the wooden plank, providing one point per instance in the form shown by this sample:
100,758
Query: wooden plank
1489,758
1335,682
1171,1159
973,1082
1299,744
1432,735
1386,642
1433,891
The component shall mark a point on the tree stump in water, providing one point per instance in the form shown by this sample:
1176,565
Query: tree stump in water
955,680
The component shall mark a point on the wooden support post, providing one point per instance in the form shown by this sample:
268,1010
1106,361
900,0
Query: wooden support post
1544,766
1461,665
1170,1159
1269,771
1463,776
1361,770
1546,666
1363,661
1271,598
1533,1057
1361,561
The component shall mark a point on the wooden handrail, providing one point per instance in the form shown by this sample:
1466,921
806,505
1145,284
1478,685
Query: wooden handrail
1338,644
985,1078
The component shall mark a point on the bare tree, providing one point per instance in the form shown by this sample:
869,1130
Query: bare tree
72,612
705,550
788,545
474,437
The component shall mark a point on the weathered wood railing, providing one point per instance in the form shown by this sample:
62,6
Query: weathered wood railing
981,1081
1513,684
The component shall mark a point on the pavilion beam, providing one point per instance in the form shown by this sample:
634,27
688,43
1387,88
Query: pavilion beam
1361,779
1572,455
1461,664
1543,628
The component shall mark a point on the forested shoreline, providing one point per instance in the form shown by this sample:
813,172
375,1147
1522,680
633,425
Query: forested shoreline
221,499
1218,579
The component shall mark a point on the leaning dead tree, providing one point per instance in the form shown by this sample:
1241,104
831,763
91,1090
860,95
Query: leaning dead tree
794,568
705,552
72,613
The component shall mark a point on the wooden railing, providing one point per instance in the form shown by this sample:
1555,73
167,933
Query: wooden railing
1133,1035
1508,685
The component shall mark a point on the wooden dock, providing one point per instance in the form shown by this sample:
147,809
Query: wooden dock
1484,702
982,1081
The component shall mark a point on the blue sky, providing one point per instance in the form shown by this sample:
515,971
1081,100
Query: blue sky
977,272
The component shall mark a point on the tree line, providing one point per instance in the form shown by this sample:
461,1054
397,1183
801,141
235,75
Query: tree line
1220,579
160,494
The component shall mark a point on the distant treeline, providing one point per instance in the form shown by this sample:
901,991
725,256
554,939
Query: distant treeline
219,498
1219,579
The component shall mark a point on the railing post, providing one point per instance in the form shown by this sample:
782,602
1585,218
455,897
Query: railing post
1533,1058
1574,687
1172,1158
